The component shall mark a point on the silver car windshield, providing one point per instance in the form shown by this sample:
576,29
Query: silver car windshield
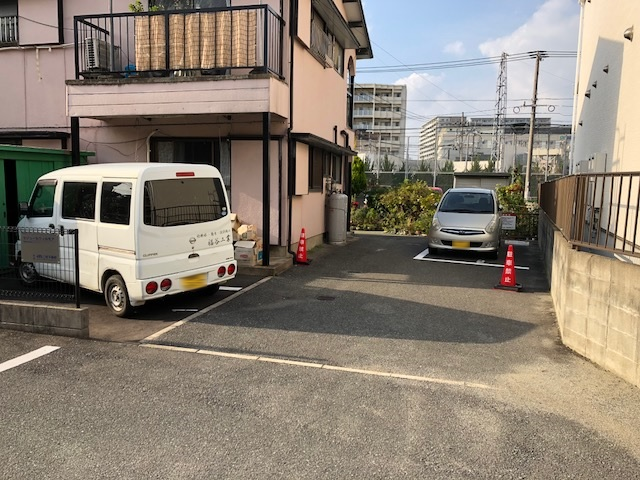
468,202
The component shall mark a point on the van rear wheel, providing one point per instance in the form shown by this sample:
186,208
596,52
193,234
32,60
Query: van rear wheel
117,297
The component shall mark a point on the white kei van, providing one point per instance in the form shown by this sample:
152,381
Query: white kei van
145,230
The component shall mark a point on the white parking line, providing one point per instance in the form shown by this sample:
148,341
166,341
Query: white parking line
231,289
480,263
322,366
27,357
204,310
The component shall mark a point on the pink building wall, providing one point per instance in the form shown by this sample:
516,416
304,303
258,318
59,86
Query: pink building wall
36,96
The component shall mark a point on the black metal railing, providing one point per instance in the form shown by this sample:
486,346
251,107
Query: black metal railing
207,41
39,264
9,30
598,211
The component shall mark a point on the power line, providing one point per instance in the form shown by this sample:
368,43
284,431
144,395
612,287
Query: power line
472,62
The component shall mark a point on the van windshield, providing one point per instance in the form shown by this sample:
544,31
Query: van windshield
183,201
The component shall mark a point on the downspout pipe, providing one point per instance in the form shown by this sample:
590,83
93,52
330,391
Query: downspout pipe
348,186
291,156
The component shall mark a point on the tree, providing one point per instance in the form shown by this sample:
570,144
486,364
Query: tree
387,165
491,166
368,165
448,166
358,177
475,166
424,166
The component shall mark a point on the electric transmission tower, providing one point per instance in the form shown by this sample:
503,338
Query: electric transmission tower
497,147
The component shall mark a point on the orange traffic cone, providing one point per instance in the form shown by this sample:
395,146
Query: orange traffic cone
508,280
301,255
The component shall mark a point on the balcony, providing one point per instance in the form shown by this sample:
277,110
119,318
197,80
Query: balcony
8,31
178,62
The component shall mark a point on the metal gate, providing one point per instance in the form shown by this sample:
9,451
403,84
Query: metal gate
39,264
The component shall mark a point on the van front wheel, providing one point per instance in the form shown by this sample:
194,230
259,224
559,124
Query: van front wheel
27,273
117,297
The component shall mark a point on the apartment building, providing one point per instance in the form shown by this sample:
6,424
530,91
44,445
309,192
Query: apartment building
379,120
263,90
463,140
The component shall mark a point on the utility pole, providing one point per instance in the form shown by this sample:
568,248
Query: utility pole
534,99
378,158
435,158
546,167
406,162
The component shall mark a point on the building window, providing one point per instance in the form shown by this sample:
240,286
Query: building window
324,45
336,168
315,168
350,88
323,164
8,23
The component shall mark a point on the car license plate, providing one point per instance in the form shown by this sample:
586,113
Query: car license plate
460,244
194,281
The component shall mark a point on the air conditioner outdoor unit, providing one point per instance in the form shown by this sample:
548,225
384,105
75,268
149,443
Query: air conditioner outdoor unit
97,56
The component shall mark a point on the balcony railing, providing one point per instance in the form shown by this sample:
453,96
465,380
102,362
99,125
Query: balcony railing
597,211
208,41
9,30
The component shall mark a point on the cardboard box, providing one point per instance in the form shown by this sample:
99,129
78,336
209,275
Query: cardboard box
235,221
247,232
248,252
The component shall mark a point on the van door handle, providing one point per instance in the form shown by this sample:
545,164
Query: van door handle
194,255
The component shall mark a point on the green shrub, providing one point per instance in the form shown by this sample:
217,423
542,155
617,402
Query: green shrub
366,218
407,209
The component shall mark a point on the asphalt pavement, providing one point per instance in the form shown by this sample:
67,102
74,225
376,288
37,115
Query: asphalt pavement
374,361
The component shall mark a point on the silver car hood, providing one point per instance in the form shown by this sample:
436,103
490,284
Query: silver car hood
464,220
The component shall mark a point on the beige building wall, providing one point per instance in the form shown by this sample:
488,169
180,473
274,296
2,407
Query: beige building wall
319,106
607,131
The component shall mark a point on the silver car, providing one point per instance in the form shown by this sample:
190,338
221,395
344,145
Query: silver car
466,219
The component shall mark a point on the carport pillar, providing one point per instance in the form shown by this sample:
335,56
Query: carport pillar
266,206
75,141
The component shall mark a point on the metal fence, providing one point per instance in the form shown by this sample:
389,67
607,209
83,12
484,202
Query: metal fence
525,226
596,210
39,264
206,41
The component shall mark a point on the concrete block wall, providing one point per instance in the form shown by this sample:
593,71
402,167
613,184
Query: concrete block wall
596,303
52,320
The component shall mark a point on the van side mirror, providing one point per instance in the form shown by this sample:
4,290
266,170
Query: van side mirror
24,208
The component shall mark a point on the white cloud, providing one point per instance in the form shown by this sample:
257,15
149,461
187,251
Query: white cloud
455,48
553,27
421,87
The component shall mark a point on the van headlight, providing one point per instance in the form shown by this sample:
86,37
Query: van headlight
491,227
435,223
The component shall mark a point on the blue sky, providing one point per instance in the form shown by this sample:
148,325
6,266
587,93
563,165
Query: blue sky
408,32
